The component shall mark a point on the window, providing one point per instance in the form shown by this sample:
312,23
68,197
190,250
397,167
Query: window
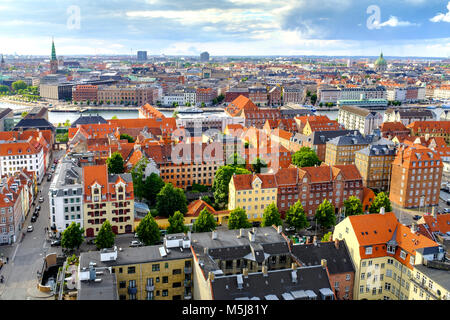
155,267
347,277
122,284
176,285
361,289
388,273
368,250
363,275
403,255
165,279
131,269
176,271
165,293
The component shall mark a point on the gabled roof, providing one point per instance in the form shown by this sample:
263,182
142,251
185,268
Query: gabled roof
239,104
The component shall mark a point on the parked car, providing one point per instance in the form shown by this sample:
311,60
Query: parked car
38,208
448,202
41,199
33,218
135,243
55,243
30,229
447,210
417,217
49,177
36,213
290,229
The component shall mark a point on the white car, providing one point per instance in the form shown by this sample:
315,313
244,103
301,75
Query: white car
30,229
135,243
41,199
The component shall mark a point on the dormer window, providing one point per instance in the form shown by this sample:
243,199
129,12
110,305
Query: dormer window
368,250
391,249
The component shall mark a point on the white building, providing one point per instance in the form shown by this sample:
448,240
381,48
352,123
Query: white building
18,155
354,118
190,95
66,196
203,122
396,94
174,97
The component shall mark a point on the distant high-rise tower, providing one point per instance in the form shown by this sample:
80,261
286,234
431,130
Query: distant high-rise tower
2,63
142,55
204,56
53,60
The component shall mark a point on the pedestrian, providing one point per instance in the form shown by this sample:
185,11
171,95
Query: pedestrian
7,259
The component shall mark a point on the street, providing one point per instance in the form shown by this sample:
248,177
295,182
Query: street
26,255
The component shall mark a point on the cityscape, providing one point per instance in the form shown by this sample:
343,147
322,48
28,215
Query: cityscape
220,164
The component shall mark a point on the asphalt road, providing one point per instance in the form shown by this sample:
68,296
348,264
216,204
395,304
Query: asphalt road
27,254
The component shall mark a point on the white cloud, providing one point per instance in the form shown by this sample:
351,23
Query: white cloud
442,17
394,22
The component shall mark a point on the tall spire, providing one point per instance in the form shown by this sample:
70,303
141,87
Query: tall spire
53,50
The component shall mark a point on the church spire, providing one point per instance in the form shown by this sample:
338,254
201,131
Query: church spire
53,50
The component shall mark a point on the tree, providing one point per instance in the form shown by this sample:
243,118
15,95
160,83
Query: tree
221,183
105,237
176,222
152,186
24,114
205,222
325,214
72,237
271,216
296,217
236,160
326,237
125,136
115,163
148,231
137,174
381,200
258,164
353,206
207,200
238,219
305,157
313,98
18,85
4,89
114,117
169,200
67,123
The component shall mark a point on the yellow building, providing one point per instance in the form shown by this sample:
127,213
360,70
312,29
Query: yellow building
341,150
375,163
148,273
384,253
253,193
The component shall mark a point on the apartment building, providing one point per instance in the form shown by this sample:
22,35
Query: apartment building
341,150
22,155
375,164
355,118
107,197
275,98
159,272
293,94
416,177
368,93
431,129
65,196
328,94
258,94
205,95
385,254
137,95
84,93
407,116
389,130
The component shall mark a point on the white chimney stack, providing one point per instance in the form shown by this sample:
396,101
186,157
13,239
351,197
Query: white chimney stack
382,210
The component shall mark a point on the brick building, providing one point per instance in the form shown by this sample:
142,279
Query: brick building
84,93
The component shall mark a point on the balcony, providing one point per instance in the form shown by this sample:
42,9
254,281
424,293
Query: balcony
150,287
132,290
187,283
188,270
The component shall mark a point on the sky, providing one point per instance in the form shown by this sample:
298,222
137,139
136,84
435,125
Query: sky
418,28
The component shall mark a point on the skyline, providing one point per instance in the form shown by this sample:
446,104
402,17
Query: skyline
228,28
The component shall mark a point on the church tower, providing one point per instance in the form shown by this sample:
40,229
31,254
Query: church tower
53,60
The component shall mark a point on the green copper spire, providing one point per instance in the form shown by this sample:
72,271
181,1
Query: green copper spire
53,50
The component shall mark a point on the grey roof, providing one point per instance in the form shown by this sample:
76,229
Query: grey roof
441,277
292,113
134,256
413,112
338,260
276,285
4,112
68,175
378,150
352,139
125,176
88,120
319,137
106,289
42,124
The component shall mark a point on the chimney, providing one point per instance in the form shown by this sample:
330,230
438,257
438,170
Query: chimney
382,210
241,233
414,227
214,235
293,266
245,272
434,212
251,236
323,263
205,250
211,276
265,271
315,240
279,229
336,243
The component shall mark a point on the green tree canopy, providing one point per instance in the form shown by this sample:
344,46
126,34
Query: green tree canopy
271,216
207,200
238,219
176,222
115,163
305,157
325,214
4,88
205,222
258,165
125,136
105,237
72,237
221,183
137,173
381,200
171,199
326,237
18,85
148,231
296,217
353,206
24,114
152,186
